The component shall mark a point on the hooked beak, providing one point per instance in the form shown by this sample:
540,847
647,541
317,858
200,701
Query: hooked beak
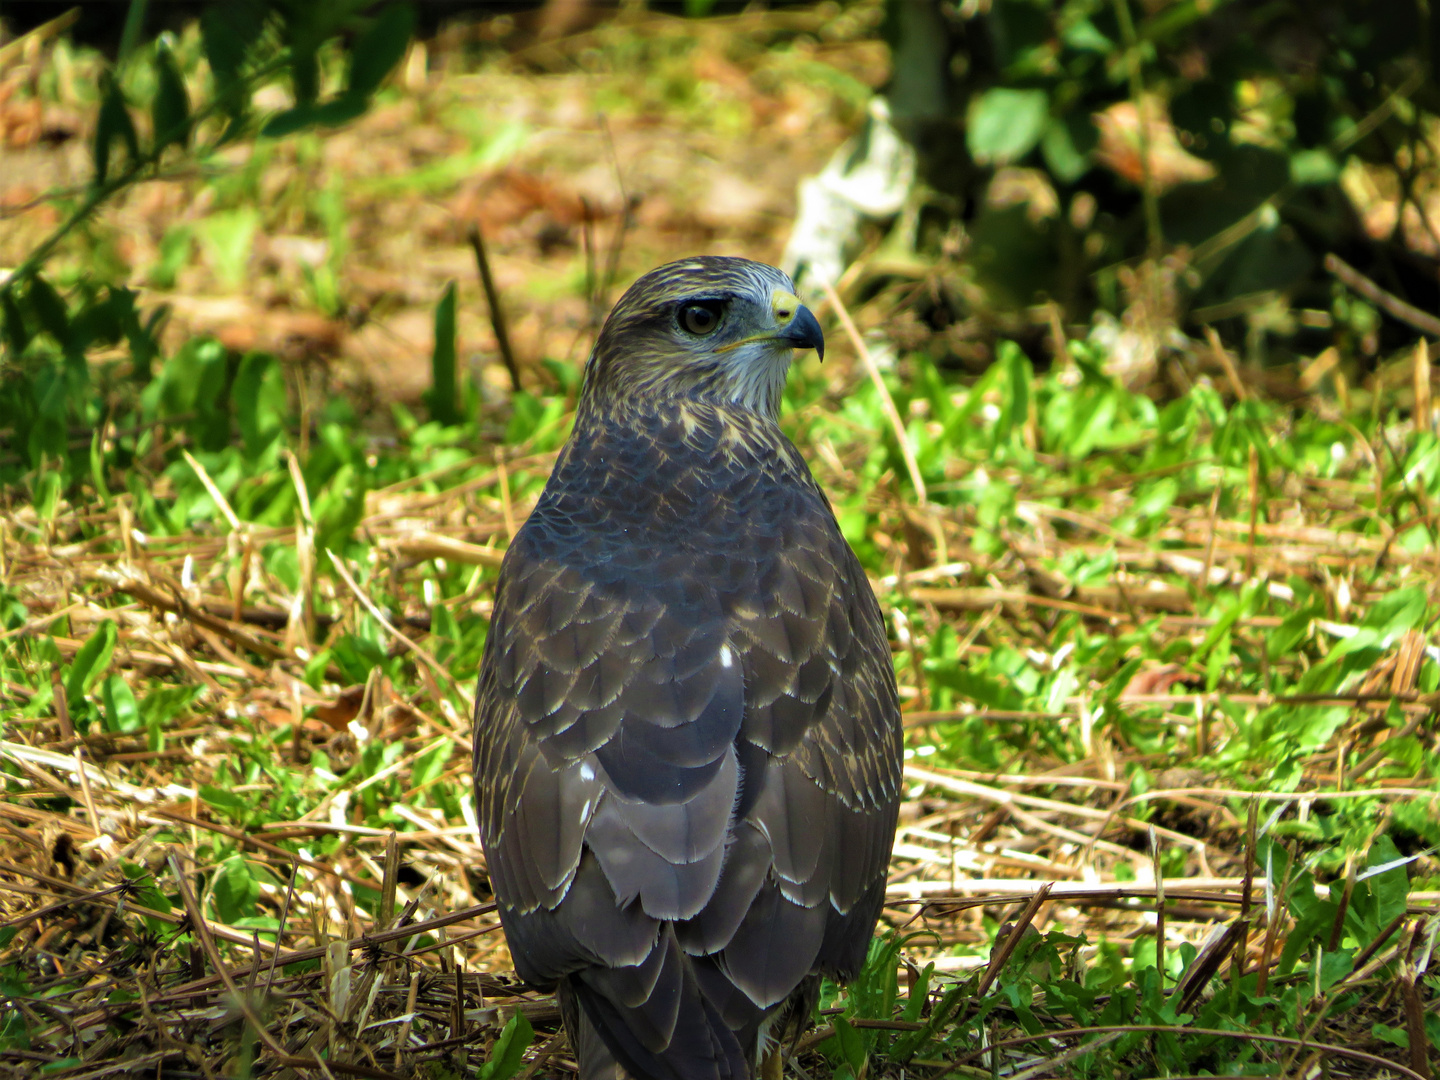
804,332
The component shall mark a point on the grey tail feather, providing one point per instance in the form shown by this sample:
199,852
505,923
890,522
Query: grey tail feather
702,1049
591,1054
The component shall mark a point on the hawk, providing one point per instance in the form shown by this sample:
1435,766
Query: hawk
687,734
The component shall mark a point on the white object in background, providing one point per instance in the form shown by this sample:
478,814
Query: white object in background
870,176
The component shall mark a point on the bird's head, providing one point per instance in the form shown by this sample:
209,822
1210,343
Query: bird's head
708,328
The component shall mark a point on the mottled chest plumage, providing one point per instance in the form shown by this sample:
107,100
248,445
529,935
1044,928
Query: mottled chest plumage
670,493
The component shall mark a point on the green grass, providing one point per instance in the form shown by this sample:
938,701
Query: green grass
1289,693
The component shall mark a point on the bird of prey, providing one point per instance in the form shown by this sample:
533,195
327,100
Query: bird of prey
687,736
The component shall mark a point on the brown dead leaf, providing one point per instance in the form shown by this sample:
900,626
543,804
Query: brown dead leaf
19,117
343,709
240,325
25,121
1155,680
1119,150
515,204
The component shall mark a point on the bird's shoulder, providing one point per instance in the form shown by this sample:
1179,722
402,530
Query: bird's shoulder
657,482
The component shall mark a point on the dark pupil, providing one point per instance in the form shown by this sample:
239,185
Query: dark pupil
699,319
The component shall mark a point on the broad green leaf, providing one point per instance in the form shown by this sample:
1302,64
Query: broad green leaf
1315,167
235,890
331,114
50,310
130,34
1239,606
17,335
175,247
164,703
47,494
1290,633
1084,35
1063,156
90,661
852,1044
122,714
226,239
1392,1035
431,763
379,49
443,394
918,996
228,30
509,1049
112,123
146,894
170,108
1398,611
1004,124
1391,887
228,803
260,402
340,508
1334,966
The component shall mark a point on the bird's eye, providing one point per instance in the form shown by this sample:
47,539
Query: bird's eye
701,318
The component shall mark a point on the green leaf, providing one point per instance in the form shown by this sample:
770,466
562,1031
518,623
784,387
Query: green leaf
1017,374
50,311
379,49
164,703
228,31
1393,1036
170,108
852,1044
1290,633
130,35
113,123
121,711
175,248
226,802
1391,887
260,402
97,466
1005,124
1396,612
52,396
340,509
90,661
1082,34
1313,167
443,392
315,668
509,1049
1227,618
331,114
17,335
1334,966
235,890
431,763
226,239
1063,157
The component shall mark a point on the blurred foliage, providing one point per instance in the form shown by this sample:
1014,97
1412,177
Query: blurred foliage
331,58
1262,126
